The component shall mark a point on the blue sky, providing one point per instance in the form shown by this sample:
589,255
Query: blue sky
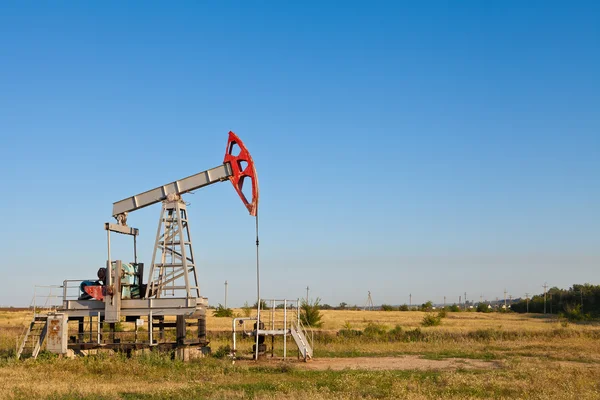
401,147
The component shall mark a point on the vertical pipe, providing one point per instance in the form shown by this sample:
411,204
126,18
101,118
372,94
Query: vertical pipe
257,287
150,338
233,326
285,328
64,294
109,263
257,327
99,327
134,249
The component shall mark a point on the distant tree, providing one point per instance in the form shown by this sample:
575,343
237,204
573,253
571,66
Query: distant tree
428,306
246,309
564,301
454,308
221,312
482,307
343,305
403,307
387,307
310,314
263,305
326,307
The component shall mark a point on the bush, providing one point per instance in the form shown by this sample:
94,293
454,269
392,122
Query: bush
349,333
442,313
222,312
431,320
222,351
396,333
387,307
573,313
373,330
482,307
247,310
428,306
415,335
403,307
310,314
454,308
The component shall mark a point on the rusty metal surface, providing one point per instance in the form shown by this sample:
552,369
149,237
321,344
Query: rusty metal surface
56,335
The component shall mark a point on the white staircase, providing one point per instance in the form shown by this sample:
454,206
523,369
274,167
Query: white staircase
34,337
299,334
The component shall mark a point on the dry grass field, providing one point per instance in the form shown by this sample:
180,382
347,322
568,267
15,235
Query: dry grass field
358,354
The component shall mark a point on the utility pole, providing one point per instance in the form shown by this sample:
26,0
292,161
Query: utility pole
307,295
481,298
527,297
410,300
459,300
505,298
226,295
545,287
369,302
444,301
465,301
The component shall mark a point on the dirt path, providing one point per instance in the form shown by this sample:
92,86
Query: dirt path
388,363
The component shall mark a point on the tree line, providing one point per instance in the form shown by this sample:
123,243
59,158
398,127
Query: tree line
577,301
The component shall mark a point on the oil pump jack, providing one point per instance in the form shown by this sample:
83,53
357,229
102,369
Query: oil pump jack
172,288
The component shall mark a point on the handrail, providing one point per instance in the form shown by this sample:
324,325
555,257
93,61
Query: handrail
304,330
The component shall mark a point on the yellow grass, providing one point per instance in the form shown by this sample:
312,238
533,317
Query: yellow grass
532,357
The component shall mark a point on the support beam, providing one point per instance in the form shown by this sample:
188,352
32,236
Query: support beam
179,187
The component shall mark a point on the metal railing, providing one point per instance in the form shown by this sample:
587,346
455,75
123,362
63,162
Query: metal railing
305,330
47,299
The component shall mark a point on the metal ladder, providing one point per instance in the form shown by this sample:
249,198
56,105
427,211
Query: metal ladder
34,337
300,338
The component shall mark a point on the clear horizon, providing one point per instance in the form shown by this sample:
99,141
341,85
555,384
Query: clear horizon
400,148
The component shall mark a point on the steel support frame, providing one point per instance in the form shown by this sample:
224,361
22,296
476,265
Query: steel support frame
176,258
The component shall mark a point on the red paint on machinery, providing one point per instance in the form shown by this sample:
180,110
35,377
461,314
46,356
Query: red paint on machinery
240,171
96,291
